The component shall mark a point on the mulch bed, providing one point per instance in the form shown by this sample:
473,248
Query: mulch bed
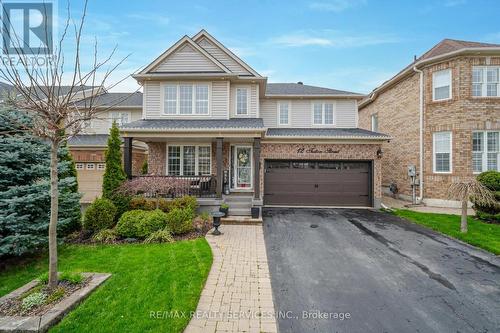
13,307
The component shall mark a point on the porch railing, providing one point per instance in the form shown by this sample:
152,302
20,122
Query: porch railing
197,186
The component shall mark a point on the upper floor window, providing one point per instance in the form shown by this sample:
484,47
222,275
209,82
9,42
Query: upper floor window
485,151
441,85
375,122
241,101
323,113
485,81
442,152
186,99
119,117
283,113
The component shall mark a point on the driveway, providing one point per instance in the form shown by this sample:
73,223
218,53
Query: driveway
367,271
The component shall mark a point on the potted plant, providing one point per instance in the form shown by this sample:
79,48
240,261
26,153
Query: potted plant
224,208
255,212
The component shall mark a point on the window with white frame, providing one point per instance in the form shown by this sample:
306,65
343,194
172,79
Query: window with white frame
241,101
79,166
441,85
120,118
375,122
90,166
485,151
485,81
323,113
186,99
189,160
101,166
283,113
442,152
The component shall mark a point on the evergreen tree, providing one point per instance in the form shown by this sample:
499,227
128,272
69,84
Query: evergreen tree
114,175
24,188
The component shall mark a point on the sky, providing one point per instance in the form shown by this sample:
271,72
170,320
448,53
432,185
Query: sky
351,45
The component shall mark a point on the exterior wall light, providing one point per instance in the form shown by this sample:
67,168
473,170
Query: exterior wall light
380,153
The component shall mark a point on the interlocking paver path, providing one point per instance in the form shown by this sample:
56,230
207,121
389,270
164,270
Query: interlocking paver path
237,296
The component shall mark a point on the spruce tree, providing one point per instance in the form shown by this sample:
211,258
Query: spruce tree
114,175
24,188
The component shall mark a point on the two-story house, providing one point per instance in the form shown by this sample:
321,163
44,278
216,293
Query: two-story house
443,113
88,147
210,117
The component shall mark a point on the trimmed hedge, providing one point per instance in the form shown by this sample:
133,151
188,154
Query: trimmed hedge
491,213
180,221
99,215
163,204
140,223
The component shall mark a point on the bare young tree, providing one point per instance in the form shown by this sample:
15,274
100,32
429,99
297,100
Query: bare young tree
467,190
48,94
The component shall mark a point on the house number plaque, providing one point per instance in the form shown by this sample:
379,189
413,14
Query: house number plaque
313,150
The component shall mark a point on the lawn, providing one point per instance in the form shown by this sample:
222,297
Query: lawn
480,234
146,278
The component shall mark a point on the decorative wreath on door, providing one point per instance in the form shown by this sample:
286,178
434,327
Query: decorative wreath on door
243,158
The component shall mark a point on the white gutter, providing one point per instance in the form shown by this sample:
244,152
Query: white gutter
421,133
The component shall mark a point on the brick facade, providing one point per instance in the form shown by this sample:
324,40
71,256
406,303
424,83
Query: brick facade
461,115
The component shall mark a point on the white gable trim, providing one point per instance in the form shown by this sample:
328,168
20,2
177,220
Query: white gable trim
205,34
177,46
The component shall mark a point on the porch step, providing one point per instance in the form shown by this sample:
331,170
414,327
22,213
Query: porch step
238,198
239,204
240,211
241,220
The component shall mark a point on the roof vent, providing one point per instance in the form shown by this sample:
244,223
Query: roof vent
300,82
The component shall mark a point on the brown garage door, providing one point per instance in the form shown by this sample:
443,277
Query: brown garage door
317,183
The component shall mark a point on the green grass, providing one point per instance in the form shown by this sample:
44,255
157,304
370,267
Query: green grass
480,234
146,278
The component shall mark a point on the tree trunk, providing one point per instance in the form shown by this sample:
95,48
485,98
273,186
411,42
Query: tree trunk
54,208
463,219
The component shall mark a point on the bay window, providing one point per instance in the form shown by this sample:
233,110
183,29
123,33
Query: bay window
485,151
283,113
188,160
186,99
441,85
323,113
485,81
442,145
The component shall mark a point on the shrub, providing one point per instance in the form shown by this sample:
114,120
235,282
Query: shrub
71,277
202,222
128,225
490,179
185,202
152,222
160,236
180,220
105,236
99,215
33,300
142,203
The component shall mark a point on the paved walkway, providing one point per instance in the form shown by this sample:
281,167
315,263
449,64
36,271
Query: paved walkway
237,296
398,204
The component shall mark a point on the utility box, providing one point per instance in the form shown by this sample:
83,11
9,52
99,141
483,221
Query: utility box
412,171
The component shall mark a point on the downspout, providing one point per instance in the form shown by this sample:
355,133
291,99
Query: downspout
421,124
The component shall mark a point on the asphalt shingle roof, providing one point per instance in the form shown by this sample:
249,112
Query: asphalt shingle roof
283,89
115,99
89,140
236,123
355,133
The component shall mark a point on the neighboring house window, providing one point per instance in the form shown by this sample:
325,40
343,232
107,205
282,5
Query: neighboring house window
241,101
186,99
375,122
442,152
79,166
189,160
283,113
441,85
90,166
485,151
120,118
323,114
101,166
485,81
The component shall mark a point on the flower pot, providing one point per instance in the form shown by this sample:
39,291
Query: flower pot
255,212
224,210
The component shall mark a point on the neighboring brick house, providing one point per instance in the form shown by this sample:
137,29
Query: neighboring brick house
460,112
212,120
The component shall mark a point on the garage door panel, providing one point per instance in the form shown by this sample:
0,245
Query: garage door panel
317,183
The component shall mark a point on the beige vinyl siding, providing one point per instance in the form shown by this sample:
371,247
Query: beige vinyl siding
187,59
102,123
301,113
253,101
153,105
222,56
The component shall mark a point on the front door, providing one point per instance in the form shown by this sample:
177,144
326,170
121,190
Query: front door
242,164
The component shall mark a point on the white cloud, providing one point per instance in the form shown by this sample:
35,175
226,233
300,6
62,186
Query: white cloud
332,38
336,5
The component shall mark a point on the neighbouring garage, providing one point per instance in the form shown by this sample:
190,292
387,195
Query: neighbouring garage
318,183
